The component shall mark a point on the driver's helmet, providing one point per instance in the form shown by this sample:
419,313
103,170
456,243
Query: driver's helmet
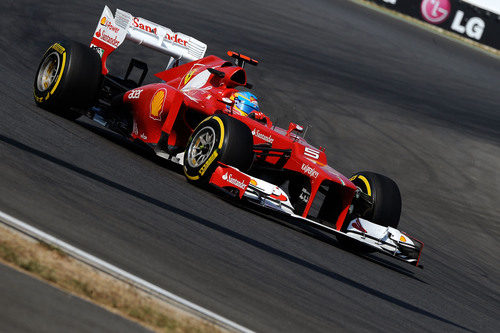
244,103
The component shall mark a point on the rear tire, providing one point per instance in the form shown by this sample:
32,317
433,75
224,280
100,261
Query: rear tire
68,76
218,138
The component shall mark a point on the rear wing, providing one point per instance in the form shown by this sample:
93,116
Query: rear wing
112,30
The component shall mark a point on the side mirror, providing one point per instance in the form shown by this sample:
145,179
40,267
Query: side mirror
216,72
294,127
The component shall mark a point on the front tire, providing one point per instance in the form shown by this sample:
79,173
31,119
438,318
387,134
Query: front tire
218,138
68,76
386,208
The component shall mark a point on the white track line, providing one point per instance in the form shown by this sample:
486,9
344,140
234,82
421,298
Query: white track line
121,274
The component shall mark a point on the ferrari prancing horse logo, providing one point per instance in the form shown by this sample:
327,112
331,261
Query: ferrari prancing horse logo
189,75
156,107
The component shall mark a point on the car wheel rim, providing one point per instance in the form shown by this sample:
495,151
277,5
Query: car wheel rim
48,72
201,147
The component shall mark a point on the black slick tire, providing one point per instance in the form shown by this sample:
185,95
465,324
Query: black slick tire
69,76
219,138
386,209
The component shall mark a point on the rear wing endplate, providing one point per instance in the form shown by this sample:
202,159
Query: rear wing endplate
112,30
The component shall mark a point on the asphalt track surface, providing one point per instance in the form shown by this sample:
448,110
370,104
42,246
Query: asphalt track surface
380,94
50,309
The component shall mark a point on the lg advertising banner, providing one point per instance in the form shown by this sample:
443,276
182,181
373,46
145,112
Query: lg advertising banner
454,15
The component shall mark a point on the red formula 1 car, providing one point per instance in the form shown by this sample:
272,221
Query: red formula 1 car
188,118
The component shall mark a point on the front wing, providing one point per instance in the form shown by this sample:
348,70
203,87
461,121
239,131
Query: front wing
386,240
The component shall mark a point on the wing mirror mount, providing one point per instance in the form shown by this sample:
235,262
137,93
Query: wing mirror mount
294,127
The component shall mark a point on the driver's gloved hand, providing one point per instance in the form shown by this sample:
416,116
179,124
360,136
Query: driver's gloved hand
257,115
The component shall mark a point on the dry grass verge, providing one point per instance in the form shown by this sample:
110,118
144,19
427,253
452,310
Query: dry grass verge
55,267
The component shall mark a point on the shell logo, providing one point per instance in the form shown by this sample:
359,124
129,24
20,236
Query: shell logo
156,107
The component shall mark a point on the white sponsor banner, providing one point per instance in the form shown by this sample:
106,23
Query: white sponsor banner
490,5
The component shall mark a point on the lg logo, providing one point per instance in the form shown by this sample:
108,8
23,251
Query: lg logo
437,11
474,27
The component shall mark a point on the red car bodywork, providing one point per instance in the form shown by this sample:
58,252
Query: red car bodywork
190,119
190,90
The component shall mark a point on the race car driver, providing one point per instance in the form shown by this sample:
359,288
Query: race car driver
246,104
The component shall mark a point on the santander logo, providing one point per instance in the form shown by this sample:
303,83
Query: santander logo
111,40
175,38
262,136
229,178
138,24
435,11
